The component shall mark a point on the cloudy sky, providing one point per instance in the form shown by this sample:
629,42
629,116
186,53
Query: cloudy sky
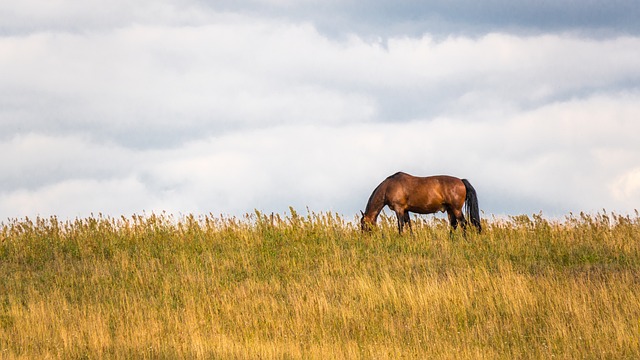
198,106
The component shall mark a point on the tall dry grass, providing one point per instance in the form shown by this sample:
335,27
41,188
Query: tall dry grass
313,286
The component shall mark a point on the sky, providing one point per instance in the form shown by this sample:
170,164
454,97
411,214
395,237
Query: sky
225,107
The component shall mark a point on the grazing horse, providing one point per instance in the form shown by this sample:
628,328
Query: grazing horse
404,193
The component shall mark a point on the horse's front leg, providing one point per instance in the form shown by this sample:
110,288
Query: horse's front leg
407,219
400,216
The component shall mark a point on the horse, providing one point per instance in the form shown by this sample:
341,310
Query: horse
404,193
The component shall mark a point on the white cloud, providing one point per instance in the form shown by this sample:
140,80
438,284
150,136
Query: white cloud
98,15
223,112
34,160
78,198
626,188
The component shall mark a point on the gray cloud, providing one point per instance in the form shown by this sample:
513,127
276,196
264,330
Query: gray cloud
444,17
337,18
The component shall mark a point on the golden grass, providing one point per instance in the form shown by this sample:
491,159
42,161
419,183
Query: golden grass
315,287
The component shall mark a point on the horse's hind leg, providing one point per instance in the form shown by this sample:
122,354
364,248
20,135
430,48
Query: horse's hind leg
456,216
453,221
463,222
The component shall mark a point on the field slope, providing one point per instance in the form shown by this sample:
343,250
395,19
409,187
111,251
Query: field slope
313,286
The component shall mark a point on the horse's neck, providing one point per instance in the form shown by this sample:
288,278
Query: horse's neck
376,202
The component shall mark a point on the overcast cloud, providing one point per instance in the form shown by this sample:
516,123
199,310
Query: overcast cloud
225,107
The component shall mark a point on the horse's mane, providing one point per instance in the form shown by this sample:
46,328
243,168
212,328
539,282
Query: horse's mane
397,175
376,200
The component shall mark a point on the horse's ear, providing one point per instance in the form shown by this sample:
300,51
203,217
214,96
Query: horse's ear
361,213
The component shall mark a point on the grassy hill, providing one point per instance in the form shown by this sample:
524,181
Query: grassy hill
314,286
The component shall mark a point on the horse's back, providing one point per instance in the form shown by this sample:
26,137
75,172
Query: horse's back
411,182
424,194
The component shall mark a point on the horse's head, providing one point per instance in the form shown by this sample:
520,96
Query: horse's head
366,222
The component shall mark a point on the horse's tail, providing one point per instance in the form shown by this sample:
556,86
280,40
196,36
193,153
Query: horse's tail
471,205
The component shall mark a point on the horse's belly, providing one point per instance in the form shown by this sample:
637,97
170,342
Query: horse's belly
428,209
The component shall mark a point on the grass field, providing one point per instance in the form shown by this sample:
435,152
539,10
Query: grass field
314,287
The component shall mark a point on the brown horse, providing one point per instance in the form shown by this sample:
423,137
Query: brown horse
404,193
